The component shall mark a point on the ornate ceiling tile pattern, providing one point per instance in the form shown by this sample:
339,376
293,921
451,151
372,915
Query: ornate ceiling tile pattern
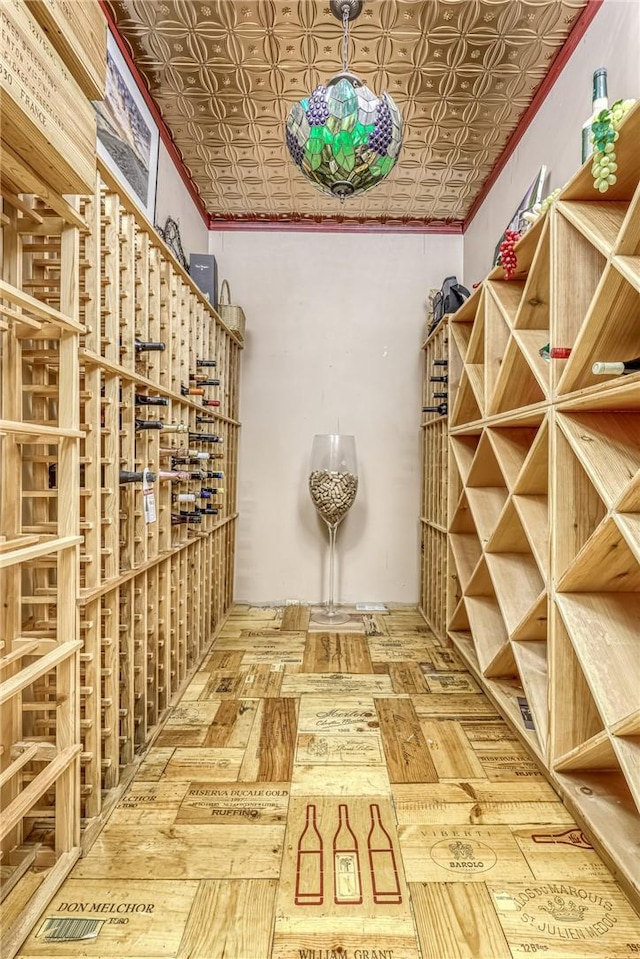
224,74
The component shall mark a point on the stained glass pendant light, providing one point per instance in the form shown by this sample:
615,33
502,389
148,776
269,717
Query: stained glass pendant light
343,137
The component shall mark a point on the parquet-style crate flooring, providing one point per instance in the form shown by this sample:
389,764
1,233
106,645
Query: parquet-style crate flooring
348,795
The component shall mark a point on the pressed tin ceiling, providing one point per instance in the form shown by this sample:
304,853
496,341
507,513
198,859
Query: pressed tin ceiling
225,72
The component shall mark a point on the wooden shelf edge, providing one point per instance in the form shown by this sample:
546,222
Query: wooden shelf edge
598,836
87,595
157,240
93,827
95,359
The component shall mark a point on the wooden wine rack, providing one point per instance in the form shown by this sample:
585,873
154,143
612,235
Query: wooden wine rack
544,497
433,519
104,615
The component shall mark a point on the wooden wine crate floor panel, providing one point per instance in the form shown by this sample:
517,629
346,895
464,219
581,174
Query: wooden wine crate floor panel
347,795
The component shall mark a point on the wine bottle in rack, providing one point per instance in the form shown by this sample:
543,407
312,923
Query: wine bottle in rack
211,402
207,420
143,346
149,424
310,866
213,490
191,457
212,474
178,451
201,363
136,477
616,367
182,476
440,362
183,497
142,400
440,409
346,861
439,379
207,382
209,510
548,352
204,438
191,390
439,395
175,428
177,518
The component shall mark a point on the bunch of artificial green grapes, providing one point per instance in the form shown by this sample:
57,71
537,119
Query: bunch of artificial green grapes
605,134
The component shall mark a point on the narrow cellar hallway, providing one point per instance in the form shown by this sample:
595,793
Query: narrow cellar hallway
349,795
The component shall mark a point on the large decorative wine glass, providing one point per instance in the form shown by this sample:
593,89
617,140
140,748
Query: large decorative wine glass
333,484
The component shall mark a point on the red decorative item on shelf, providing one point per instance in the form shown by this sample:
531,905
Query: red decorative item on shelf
508,258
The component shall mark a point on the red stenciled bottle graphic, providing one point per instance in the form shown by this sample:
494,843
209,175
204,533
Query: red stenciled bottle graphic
569,837
309,869
346,862
382,861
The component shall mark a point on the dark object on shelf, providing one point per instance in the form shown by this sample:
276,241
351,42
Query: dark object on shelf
171,236
127,476
440,409
449,299
142,400
204,270
143,346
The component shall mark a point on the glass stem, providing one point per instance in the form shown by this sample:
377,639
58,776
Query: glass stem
332,550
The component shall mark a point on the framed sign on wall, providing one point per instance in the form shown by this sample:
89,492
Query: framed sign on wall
127,135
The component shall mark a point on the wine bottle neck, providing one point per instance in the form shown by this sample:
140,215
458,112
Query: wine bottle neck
600,96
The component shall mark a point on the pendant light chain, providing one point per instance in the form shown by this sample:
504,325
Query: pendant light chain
345,37
342,136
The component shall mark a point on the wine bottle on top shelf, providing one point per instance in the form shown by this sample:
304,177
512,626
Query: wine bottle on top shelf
439,379
149,424
141,400
600,101
191,390
440,409
616,367
144,346
201,363
136,477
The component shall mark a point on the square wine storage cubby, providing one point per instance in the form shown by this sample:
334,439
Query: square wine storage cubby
118,442
544,499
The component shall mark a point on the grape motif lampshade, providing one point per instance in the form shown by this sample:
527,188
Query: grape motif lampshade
343,137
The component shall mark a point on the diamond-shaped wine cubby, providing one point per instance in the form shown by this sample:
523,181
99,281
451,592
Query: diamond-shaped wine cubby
544,523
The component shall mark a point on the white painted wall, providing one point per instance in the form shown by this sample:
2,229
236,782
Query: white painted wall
334,328
554,137
174,200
